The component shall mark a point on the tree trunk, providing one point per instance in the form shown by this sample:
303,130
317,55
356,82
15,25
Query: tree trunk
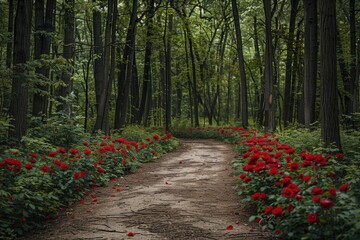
244,101
44,28
21,54
310,64
146,94
330,132
353,56
9,45
68,54
270,123
289,63
125,72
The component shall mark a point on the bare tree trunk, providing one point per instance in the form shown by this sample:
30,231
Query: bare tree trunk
9,45
168,89
270,123
289,63
21,54
244,100
329,100
310,67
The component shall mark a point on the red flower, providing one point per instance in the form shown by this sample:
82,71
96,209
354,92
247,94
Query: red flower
316,199
156,137
248,179
298,197
230,227
64,166
34,155
326,203
288,192
242,176
85,144
317,191
290,208
100,170
153,152
268,209
87,151
28,166
131,234
74,151
76,175
277,212
332,191
62,150
45,168
339,155
52,154
312,218
344,187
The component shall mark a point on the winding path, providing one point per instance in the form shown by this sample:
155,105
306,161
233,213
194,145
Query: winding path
186,194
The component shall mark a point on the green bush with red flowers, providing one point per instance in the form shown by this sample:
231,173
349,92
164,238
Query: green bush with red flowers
300,190
35,185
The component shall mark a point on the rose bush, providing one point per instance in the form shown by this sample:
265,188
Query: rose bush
298,194
35,185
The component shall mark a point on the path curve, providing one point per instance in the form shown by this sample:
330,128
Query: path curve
186,194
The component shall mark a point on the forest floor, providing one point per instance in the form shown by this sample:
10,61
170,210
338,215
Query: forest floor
187,194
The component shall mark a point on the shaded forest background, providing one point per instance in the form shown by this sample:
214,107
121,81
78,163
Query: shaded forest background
105,65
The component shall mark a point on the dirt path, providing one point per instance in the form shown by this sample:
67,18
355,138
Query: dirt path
187,194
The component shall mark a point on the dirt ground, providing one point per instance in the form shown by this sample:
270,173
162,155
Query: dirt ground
187,194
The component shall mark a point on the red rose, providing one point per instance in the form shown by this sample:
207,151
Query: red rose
344,187
312,218
52,154
76,175
62,150
332,191
100,170
326,203
339,155
74,151
34,155
298,197
317,191
87,151
288,192
156,137
45,168
131,234
277,212
28,166
268,209
242,176
290,208
316,199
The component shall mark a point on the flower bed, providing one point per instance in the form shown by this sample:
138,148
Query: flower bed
34,186
297,194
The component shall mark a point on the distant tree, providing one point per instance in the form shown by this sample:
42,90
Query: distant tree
20,81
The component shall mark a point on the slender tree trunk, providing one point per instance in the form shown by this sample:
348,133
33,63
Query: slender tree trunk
68,54
44,28
21,54
244,101
329,104
9,46
353,48
289,63
146,93
270,123
310,64
125,72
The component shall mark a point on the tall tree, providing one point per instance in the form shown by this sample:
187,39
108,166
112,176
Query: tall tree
329,112
289,63
44,21
21,54
310,63
125,71
102,79
68,54
352,90
9,46
145,103
244,101
270,123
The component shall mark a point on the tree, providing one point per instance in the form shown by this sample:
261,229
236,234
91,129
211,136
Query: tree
244,101
329,112
289,63
270,123
21,54
44,28
310,63
68,54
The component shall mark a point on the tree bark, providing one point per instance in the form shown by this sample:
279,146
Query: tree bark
9,45
289,63
330,132
270,123
21,54
310,64
244,100
353,47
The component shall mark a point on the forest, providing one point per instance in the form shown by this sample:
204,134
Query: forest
110,64
87,76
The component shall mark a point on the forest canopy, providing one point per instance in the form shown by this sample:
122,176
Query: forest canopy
105,65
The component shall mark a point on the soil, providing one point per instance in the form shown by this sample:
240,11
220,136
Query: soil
187,194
